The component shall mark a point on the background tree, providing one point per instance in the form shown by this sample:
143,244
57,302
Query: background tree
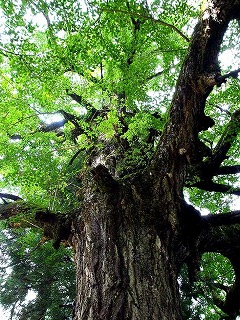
113,116
37,281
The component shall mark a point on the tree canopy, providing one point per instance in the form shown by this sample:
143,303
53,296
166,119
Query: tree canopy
91,84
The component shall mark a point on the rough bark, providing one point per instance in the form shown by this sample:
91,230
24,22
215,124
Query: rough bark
125,255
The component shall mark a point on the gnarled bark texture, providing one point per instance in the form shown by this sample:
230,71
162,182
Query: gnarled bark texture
126,255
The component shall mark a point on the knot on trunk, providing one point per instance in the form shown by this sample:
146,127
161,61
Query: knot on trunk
55,226
104,179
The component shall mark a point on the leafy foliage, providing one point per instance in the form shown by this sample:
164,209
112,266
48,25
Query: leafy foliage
37,281
199,301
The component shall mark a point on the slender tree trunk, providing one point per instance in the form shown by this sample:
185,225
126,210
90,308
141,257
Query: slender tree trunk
125,256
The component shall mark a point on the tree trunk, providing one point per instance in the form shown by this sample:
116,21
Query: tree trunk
125,257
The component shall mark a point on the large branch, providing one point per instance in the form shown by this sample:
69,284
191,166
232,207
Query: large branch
79,99
211,166
228,218
12,209
224,170
223,79
54,126
221,234
55,226
9,196
209,185
196,229
178,147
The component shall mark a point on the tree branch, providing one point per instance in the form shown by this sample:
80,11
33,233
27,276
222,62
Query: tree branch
6,52
57,125
224,219
55,226
74,157
155,75
209,185
9,196
178,144
222,79
44,128
92,112
149,17
226,141
76,97
209,168
53,126
224,170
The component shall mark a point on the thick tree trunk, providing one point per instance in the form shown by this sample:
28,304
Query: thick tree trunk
124,256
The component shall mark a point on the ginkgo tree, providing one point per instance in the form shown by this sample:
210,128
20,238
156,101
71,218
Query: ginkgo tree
119,125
